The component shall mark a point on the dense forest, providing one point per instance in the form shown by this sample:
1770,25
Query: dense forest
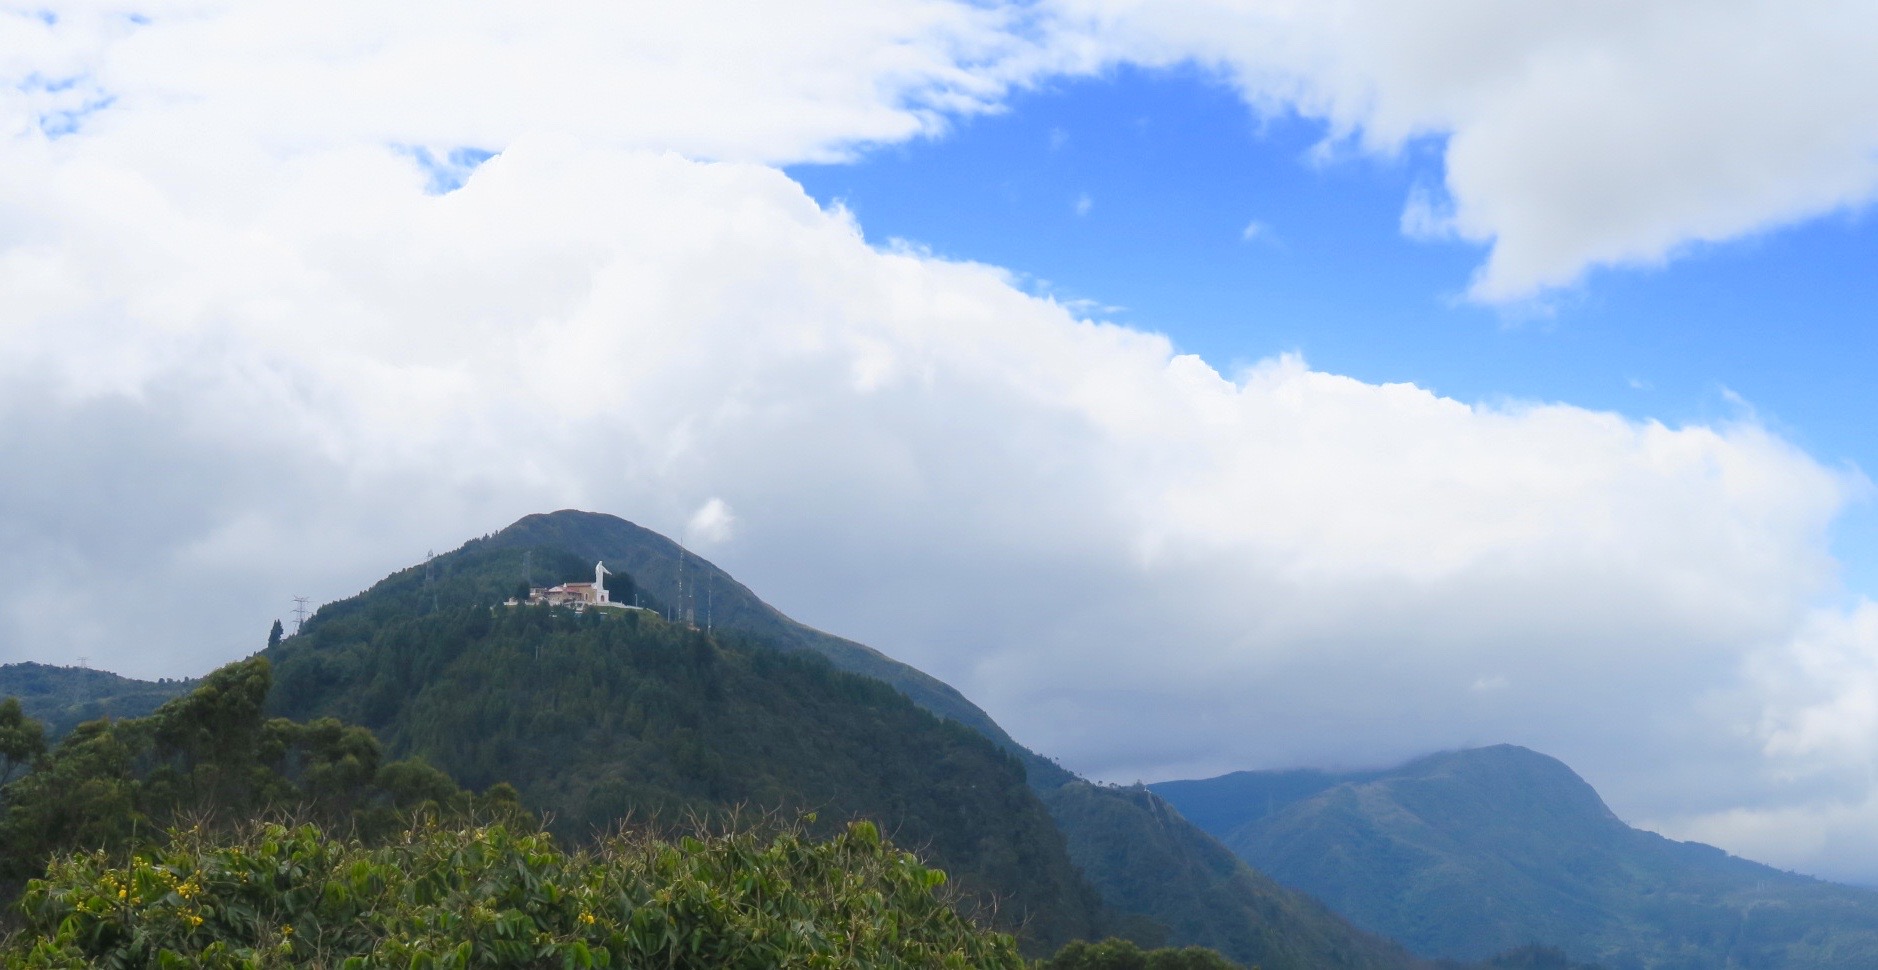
1210,903
142,842
210,757
599,716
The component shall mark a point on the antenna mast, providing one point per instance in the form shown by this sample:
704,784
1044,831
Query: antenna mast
684,608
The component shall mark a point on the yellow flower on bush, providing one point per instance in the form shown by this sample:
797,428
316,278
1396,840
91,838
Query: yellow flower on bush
586,918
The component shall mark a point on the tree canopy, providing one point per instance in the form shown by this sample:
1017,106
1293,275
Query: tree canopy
443,897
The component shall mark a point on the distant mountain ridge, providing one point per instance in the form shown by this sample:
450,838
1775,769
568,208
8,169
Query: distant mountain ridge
64,697
1466,853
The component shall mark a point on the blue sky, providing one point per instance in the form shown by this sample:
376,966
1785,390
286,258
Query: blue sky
1130,195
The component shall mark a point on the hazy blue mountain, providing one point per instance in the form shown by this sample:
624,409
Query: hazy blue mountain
1469,853
1147,860
1223,804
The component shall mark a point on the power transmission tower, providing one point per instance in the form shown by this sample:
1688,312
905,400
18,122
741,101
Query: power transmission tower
299,614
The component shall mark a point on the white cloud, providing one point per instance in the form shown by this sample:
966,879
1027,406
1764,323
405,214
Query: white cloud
1083,204
1135,562
250,351
1574,135
711,525
1812,803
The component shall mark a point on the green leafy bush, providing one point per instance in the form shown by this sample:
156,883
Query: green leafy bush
445,897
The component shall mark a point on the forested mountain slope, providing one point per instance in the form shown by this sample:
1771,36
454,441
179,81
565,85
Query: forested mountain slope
595,718
1245,917
1467,853
657,565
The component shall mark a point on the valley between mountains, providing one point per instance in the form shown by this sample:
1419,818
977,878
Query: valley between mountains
1496,857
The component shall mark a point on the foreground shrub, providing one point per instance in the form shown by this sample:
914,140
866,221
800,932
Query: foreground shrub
492,897
1115,954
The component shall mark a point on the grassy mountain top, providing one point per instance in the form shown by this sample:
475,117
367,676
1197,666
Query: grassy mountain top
1466,853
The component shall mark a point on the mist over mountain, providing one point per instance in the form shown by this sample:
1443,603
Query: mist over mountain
1468,853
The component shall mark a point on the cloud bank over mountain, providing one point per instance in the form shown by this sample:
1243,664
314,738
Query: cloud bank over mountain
278,322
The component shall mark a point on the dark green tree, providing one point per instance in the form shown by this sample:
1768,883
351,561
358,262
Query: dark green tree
22,739
274,635
209,755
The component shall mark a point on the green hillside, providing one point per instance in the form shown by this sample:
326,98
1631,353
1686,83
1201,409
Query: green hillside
1468,853
593,721
657,565
564,545
1241,917
599,718
63,697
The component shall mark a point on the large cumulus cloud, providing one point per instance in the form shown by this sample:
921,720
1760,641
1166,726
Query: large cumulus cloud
251,349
